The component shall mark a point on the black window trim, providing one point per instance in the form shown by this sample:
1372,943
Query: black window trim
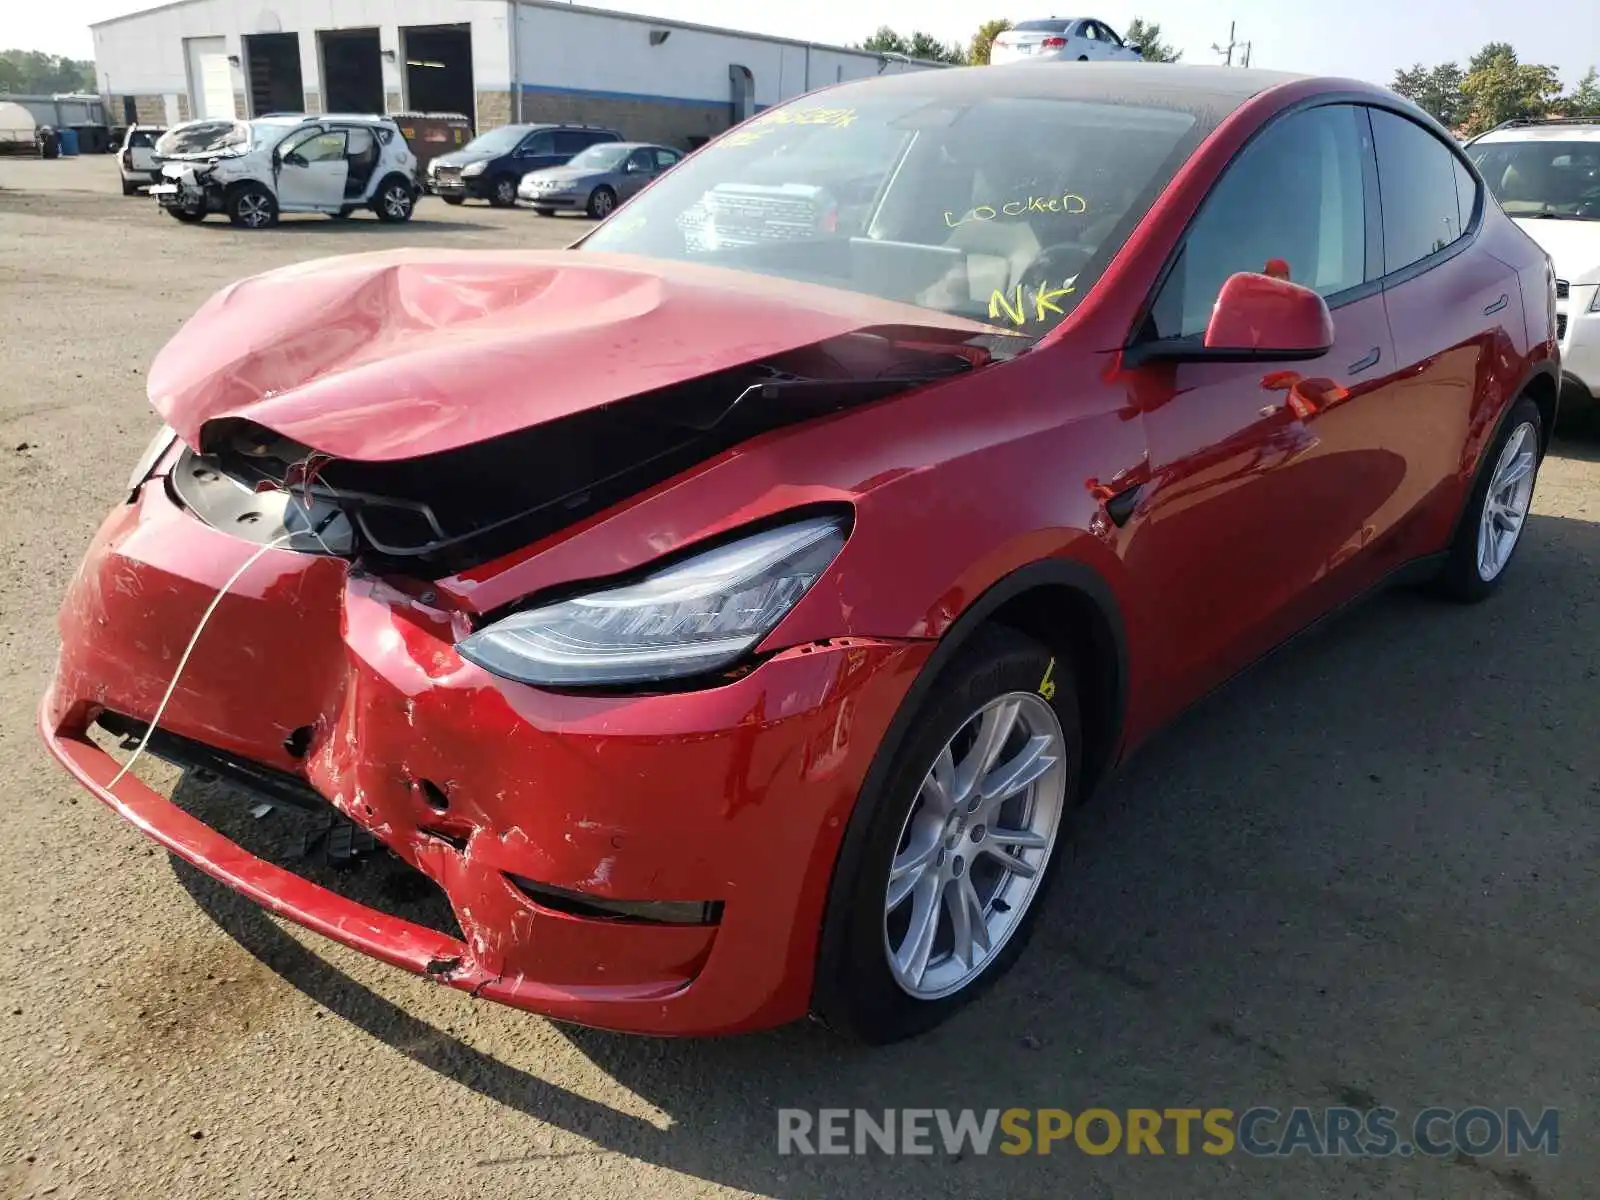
1137,348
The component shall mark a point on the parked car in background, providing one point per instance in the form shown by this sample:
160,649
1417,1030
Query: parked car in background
596,180
1546,175
491,166
728,628
255,170
136,160
1063,39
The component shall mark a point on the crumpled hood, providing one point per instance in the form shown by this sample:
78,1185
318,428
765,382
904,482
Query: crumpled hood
1574,246
403,353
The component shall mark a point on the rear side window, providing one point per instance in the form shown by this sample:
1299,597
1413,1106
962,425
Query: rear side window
1466,193
1292,204
665,158
1417,179
571,141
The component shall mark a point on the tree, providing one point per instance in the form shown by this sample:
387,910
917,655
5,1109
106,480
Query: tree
1585,98
1147,36
918,45
28,71
983,40
1503,89
1435,90
1489,53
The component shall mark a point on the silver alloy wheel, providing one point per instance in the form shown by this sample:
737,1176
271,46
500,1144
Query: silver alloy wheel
506,191
255,209
397,201
1505,506
975,845
603,204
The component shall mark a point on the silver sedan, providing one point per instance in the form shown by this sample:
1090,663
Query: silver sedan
598,179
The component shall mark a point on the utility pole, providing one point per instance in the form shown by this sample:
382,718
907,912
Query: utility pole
1247,46
1227,51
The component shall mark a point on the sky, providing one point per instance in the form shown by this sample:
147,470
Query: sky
1367,39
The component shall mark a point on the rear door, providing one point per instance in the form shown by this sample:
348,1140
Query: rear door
1264,477
312,170
1453,309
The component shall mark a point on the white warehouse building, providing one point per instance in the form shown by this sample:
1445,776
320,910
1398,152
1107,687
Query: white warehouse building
496,61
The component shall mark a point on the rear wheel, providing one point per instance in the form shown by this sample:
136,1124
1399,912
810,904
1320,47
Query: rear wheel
946,865
503,192
251,206
601,203
395,201
1497,509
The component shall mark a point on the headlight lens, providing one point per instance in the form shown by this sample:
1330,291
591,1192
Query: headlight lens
476,168
697,615
152,455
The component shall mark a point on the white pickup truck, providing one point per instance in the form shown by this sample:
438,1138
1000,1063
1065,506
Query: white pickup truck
137,158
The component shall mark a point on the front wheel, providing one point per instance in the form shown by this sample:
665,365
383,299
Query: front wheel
945,866
395,201
601,203
454,200
1497,509
503,193
252,207
191,215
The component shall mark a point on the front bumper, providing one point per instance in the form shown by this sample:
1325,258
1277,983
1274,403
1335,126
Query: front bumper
736,795
563,199
1580,342
470,187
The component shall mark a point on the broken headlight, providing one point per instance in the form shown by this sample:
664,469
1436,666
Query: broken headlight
697,615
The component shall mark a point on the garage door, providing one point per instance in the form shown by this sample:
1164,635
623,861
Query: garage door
210,77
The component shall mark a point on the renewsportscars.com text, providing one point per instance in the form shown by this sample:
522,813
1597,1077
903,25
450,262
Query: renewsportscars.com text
1260,1132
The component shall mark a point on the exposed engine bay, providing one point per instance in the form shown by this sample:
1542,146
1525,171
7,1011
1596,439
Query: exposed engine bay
446,512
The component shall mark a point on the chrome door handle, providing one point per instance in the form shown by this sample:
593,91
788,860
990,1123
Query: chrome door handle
1496,306
1369,359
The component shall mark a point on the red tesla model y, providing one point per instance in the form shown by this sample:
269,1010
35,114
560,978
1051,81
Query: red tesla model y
725,613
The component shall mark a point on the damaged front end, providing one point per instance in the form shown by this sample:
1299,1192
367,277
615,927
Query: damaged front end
635,847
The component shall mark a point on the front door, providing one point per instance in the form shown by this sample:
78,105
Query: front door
312,171
639,170
538,151
1264,477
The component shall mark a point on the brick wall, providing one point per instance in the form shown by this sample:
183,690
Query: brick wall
149,110
391,102
637,120
313,101
494,110
241,103
183,107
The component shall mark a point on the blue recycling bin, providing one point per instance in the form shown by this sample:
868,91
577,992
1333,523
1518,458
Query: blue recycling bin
69,143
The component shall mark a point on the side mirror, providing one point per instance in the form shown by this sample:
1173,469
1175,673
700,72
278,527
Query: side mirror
1257,318
638,169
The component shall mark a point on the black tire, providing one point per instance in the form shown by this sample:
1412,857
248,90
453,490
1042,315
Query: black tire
1461,578
856,993
545,212
251,206
1083,58
129,188
454,200
189,216
342,215
602,203
503,192
395,200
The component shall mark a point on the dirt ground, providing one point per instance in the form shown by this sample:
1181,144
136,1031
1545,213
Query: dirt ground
1365,873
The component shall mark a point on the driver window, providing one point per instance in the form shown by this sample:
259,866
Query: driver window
323,145
641,160
1109,35
539,143
1293,204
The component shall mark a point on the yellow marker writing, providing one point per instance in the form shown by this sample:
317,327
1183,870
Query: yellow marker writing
1047,685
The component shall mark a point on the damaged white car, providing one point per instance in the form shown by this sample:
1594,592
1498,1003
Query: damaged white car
255,170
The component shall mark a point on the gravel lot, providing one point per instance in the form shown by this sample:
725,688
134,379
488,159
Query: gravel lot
1363,874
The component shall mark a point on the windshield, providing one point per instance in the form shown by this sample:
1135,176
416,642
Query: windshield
1542,178
1002,209
204,137
497,141
601,158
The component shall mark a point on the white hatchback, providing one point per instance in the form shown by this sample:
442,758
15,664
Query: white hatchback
254,170
1061,39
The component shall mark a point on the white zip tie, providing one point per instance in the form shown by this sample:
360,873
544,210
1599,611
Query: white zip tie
188,650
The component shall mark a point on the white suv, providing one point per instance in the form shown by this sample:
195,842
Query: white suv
254,170
1546,175
136,159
